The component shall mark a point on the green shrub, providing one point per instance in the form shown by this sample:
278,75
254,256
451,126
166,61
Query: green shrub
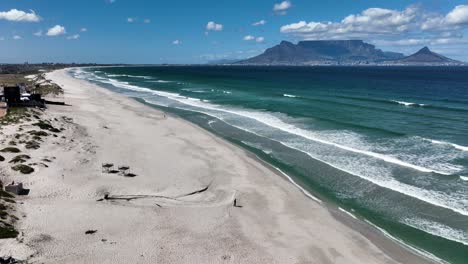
20,159
11,149
25,169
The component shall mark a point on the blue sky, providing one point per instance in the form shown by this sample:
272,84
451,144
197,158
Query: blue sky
179,31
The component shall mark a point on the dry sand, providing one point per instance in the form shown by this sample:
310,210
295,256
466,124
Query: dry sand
161,221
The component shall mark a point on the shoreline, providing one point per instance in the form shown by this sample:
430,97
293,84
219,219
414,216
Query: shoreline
287,237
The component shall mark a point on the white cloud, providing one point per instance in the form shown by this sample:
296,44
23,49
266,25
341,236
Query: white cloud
257,39
147,20
249,37
16,37
56,30
76,36
214,26
410,26
285,5
83,30
459,15
131,20
38,33
176,42
19,16
259,23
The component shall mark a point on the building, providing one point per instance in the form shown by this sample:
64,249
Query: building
12,94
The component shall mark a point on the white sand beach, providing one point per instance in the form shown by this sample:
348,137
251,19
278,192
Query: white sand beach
179,206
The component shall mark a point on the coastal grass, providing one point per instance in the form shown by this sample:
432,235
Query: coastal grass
46,126
48,89
10,150
23,168
20,159
15,115
6,230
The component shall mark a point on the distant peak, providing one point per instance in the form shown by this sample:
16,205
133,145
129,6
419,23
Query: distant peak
284,42
424,50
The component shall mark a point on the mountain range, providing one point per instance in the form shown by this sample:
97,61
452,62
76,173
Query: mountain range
342,52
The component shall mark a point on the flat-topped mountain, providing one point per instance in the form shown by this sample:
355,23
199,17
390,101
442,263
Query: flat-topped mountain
426,56
322,52
342,52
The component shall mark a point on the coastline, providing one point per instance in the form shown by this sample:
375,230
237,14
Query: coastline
203,227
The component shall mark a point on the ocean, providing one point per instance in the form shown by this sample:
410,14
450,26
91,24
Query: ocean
387,145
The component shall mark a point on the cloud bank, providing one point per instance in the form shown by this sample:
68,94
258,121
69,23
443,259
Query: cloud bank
411,26
16,15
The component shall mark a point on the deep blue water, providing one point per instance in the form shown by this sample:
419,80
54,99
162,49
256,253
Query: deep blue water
388,144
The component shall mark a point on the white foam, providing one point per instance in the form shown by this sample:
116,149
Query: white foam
116,75
419,251
432,197
139,76
407,103
159,81
274,122
128,75
437,229
289,95
465,178
459,147
348,213
195,91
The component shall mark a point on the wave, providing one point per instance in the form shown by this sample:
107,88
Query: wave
419,251
116,75
195,91
408,103
160,81
464,178
384,101
459,147
432,197
348,213
129,76
437,229
289,95
308,194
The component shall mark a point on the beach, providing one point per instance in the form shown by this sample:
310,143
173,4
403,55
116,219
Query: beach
179,206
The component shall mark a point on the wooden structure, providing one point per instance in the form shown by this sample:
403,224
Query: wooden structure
16,188
12,94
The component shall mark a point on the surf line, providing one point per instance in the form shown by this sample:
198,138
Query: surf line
300,132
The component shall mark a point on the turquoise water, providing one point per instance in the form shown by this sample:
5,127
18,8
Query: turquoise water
387,144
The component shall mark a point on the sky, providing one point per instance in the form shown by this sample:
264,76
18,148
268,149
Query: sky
187,31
